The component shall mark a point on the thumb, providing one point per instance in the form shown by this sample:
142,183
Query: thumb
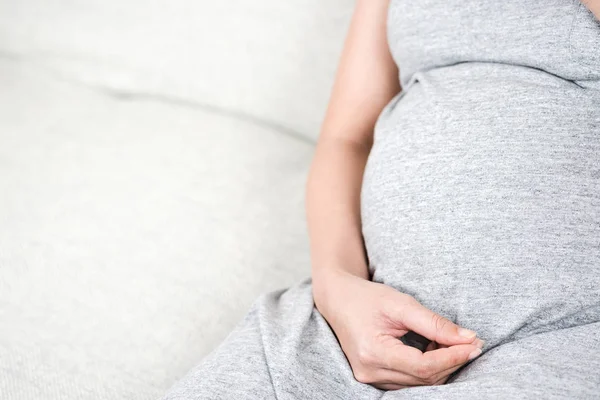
418,318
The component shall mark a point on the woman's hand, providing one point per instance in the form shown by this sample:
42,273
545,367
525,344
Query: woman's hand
368,318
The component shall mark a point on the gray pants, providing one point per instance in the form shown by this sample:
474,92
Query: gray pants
284,349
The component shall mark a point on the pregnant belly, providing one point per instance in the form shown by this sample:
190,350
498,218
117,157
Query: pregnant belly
481,198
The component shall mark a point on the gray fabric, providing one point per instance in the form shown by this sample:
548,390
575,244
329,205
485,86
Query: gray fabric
481,198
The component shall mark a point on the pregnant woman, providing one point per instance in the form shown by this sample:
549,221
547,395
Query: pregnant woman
454,196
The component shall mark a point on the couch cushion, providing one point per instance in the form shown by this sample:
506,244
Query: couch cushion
133,235
271,59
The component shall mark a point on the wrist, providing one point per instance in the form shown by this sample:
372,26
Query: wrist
328,285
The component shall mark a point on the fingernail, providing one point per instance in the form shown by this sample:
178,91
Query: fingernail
479,343
474,353
466,333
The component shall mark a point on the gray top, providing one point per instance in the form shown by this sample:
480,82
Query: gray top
560,37
481,195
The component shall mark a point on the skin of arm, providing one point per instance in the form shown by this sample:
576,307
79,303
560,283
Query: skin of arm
366,80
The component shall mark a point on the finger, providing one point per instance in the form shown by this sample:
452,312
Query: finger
427,365
398,378
389,386
440,381
477,342
446,358
388,376
434,327
446,373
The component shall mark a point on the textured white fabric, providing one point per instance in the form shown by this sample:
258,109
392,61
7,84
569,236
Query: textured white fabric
271,59
143,209
133,235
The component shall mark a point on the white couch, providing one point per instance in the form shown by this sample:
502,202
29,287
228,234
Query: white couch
153,156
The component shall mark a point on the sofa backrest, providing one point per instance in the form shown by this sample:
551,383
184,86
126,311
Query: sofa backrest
269,60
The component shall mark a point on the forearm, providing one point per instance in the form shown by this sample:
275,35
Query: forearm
367,78
333,211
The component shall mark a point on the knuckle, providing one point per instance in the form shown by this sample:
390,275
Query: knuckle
363,376
425,371
365,356
457,359
440,323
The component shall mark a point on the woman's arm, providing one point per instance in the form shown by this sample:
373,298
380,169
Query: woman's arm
367,79
367,317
